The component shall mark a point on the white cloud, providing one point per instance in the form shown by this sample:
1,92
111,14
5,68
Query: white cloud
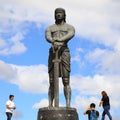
90,89
2,43
13,45
34,79
106,60
98,21
7,72
42,103
17,115
82,102
77,56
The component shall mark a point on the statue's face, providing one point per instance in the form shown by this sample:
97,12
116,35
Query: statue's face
59,15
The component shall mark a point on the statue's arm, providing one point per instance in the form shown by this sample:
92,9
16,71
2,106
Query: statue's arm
48,35
69,35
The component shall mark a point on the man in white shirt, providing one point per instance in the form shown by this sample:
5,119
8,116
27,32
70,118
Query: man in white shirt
10,107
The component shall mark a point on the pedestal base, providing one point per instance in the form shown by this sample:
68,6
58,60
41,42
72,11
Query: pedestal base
61,113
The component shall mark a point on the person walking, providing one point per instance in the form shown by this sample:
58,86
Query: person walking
10,107
92,113
105,102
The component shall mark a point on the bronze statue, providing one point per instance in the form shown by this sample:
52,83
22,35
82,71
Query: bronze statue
58,35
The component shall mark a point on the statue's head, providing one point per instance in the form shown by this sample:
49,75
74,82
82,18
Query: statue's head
60,14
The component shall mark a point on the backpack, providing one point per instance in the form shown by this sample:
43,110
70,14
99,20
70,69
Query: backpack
93,115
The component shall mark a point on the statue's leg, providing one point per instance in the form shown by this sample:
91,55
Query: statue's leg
67,91
65,70
51,93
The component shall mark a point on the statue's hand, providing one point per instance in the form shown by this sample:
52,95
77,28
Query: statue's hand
57,40
55,46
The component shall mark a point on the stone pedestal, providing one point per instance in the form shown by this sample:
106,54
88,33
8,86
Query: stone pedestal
61,113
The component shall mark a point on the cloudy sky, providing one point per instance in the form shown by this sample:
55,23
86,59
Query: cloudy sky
95,54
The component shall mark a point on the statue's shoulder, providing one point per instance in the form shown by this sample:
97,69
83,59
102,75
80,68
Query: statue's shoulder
69,26
51,26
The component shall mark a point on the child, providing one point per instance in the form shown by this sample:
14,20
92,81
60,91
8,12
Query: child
92,113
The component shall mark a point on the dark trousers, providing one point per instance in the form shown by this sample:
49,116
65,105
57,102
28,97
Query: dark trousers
9,115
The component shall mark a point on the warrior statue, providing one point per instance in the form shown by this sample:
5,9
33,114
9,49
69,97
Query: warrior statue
58,35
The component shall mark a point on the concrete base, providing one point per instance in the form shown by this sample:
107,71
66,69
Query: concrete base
61,113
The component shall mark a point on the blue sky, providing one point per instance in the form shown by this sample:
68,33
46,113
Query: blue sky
95,54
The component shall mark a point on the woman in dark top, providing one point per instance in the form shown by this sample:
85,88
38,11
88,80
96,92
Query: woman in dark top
105,102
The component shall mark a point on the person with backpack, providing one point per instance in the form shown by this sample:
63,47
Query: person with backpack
105,102
92,113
